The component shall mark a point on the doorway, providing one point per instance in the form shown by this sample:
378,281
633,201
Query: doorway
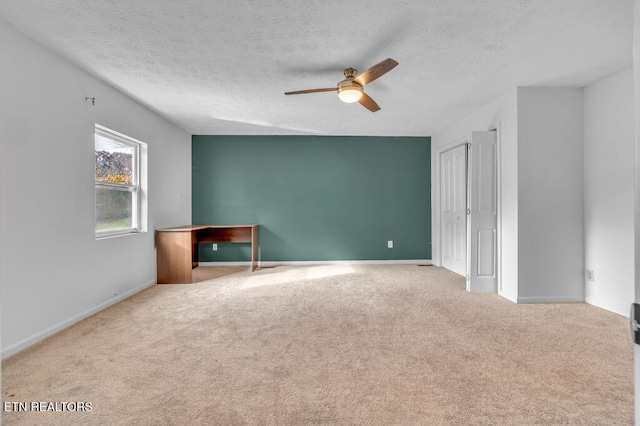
468,211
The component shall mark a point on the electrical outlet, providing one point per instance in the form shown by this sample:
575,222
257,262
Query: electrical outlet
214,247
590,275
390,244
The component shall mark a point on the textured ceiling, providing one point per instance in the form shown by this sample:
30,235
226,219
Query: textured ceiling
221,67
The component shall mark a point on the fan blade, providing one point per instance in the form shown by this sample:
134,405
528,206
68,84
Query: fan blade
300,92
376,71
368,103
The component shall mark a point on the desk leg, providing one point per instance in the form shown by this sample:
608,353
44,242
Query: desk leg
195,249
173,257
254,248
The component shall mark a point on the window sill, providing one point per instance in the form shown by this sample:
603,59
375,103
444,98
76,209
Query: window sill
106,235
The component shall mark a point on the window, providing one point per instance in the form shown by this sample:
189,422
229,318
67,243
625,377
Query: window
118,178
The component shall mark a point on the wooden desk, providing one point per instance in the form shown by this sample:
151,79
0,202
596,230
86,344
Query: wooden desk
177,248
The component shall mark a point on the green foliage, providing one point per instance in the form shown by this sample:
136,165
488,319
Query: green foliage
114,167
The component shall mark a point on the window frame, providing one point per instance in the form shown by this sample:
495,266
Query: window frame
135,187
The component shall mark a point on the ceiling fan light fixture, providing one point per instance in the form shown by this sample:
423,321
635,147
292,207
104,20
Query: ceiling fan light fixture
350,96
349,92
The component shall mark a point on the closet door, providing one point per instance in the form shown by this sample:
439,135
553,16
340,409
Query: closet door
482,250
453,202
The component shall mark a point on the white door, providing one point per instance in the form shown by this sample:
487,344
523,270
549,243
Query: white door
453,209
482,224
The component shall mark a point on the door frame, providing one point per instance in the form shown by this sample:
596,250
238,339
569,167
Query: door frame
636,278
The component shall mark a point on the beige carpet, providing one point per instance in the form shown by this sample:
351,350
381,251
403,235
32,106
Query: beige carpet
330,345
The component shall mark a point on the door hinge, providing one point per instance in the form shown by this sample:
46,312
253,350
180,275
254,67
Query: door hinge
468,212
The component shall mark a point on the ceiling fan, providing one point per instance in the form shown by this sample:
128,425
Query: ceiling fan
351,89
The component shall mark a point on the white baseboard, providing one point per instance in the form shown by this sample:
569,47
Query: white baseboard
35,338
509,296
550,299
322,262
620,310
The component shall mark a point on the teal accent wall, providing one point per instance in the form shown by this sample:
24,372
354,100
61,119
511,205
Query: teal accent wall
316,198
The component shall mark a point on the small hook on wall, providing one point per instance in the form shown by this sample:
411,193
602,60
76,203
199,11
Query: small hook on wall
93,100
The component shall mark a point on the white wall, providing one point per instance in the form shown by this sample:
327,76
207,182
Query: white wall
53,271
500,114
609,149
540,190
550,195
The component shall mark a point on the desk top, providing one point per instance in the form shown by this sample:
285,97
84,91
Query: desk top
199,227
